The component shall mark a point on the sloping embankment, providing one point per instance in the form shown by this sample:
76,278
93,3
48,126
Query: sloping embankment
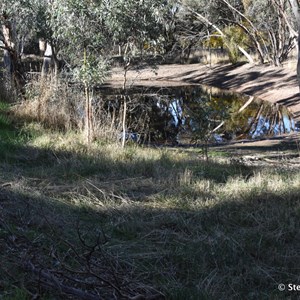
274,84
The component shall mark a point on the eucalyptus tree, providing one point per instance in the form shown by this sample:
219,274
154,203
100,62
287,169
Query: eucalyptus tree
87,32
266,23
18,21
77,26
133,23
133,26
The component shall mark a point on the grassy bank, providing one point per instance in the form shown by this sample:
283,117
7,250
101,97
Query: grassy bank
142,223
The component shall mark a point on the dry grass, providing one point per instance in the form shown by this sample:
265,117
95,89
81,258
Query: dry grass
60,106
51,103
214,57
158,223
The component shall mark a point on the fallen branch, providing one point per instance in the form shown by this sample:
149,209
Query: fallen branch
250,100
53,282
105,194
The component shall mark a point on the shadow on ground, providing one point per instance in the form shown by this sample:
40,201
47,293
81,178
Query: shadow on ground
52,248
74,225
275,81
282,143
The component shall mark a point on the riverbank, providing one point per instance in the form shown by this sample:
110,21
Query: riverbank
273,84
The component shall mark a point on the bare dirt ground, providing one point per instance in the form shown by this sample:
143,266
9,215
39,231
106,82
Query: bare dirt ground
273,84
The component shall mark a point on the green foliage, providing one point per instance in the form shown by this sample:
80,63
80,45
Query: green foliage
28,17
134,20
98,26
214,41
77,25
92,71
234,37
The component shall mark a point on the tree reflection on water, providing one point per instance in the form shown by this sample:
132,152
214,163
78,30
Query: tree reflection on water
196,114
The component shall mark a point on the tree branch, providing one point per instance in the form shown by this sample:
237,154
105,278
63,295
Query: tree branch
222,34
284,16
296,10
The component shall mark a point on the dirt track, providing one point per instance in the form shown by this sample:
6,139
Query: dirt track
274,84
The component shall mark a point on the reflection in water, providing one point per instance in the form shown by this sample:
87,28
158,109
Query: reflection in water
196,114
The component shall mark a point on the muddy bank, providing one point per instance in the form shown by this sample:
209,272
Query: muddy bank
274,84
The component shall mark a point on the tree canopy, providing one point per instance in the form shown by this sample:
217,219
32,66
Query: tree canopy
114,27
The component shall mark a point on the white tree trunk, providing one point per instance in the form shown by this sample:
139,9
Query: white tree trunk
296,10
47,60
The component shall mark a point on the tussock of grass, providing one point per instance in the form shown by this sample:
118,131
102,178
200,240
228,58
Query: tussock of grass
151,222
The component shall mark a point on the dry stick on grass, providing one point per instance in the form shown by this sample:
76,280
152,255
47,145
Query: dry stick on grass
87,265
97,244
88,272
95,275
88,268
49,280
6,184
123,200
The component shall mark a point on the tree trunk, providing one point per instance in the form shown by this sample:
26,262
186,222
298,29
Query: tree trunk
7,66
296,10
124,121
247,55
12,59
298,64
124,107
50,62
88,115
89,132
12,62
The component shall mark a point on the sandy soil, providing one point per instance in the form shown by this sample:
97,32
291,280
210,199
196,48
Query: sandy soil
277,85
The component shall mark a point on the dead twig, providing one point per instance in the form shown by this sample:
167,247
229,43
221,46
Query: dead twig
105,194
49,280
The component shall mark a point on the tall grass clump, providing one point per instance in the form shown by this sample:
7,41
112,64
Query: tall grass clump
51,103
59,105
